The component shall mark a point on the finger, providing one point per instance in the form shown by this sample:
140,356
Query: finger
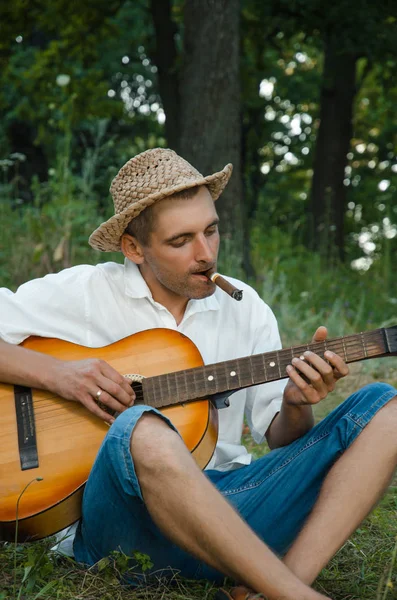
310,394
337,363
322,366
320,335
122,389
106,400
116,391
89,402
312,375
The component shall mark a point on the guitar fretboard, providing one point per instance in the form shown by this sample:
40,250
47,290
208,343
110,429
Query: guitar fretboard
231,375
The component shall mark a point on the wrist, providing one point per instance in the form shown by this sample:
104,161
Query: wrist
301,415
289,403
50,375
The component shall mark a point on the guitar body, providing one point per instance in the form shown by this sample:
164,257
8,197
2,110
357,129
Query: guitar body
69,437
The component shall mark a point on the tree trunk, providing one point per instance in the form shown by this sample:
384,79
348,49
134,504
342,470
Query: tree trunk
165,58
328,194
210,134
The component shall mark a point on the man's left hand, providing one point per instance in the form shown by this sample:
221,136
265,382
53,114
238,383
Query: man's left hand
321,375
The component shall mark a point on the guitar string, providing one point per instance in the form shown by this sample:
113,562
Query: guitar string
317,347
358,353
271,356
242,373
349,343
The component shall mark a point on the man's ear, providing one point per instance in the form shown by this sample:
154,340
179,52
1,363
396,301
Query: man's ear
132,249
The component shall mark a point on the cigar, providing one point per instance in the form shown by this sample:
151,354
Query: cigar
223,284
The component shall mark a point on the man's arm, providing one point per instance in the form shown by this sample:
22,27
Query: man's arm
319,378
72,380
291,423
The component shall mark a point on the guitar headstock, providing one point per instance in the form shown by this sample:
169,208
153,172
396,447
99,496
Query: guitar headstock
391,336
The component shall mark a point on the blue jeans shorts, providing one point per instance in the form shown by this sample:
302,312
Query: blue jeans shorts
274,494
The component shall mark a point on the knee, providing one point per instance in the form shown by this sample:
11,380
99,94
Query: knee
387,416
155,446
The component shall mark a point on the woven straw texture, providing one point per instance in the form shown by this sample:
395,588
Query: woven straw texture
144,180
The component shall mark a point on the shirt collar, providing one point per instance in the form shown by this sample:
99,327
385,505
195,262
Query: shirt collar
134,284
136,287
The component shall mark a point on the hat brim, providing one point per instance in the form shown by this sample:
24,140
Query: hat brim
107,237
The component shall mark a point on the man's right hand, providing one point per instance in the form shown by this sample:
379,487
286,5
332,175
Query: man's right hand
89,382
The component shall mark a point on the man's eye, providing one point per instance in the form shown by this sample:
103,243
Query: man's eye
178,244
211,231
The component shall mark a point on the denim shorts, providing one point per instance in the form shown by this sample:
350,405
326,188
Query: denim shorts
274,494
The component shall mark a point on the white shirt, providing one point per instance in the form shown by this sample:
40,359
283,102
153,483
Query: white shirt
97,305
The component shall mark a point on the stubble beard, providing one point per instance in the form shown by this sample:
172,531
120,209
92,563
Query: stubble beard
187,288
184,286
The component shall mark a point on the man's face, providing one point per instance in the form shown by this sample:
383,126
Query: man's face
184,241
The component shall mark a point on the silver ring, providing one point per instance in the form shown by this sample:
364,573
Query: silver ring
98,394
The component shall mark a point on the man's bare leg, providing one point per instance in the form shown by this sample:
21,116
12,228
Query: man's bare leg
191,512
351,489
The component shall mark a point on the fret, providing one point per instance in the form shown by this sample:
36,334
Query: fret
264,366
210,380
251,368
147,391
188,383
195,383
221,381
173,388
166,397
164,390
278,364
237,369
344,348
226,373
363,345
233,375
271,367
245,371
158,384
204,380
181,387
258,376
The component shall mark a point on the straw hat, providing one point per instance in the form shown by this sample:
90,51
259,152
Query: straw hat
146,179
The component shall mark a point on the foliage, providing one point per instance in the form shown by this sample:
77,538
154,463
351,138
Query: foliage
64,69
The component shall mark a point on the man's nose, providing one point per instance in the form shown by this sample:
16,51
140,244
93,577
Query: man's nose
203,249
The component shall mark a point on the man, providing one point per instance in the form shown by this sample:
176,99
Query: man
145,492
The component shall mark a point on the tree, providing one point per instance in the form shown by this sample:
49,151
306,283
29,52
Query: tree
328,193
200,90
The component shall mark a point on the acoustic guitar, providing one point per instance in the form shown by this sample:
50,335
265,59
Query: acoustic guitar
48,444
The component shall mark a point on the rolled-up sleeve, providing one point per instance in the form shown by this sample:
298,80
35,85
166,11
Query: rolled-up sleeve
264,401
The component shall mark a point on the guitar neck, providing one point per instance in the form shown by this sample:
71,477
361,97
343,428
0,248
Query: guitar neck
202,382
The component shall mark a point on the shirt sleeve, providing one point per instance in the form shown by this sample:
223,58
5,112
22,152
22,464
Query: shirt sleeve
264,401
53,306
